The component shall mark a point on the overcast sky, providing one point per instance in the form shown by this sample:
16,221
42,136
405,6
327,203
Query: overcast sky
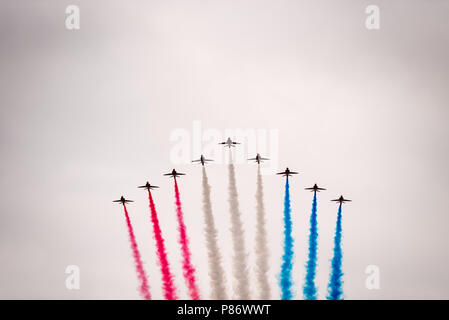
87,115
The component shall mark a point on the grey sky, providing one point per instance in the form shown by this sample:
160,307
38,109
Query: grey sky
87,115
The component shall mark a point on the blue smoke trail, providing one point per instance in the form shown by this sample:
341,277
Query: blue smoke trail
310,290
287,258
335,289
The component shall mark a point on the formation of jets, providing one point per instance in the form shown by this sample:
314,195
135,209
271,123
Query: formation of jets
229,143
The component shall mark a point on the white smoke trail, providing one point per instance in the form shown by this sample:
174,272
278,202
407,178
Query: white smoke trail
216,272
240,270
262,253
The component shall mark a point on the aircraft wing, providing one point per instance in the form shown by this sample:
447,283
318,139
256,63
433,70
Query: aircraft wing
252,159
196,160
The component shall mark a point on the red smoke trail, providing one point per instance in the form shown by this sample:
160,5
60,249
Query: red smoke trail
167,278
189,270
144,288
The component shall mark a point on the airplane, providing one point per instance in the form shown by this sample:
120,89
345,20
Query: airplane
202,160
174,174
287,172
341,200
147,186
229,143
315,188
258,158
123,200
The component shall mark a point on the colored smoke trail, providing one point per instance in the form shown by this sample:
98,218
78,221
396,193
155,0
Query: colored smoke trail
310,290
216,272
335,289
262,252
167,277
144,288
240,269
287,259
188,269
